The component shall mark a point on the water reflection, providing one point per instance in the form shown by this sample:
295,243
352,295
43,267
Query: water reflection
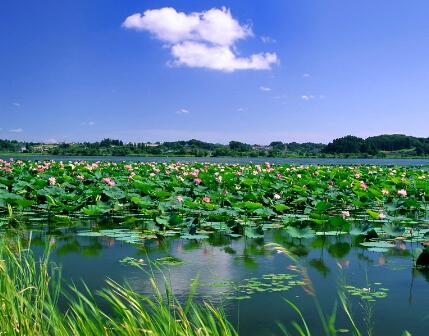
221,260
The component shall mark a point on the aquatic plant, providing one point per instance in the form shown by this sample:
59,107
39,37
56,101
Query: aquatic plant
31,291
199,198
369,293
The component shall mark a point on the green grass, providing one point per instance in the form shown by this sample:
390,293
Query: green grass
30,291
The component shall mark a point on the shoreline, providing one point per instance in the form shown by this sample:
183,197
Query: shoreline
363,157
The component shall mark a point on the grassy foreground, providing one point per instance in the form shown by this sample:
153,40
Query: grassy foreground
30,290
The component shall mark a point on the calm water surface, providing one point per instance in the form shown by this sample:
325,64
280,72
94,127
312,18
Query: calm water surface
243,160
223,263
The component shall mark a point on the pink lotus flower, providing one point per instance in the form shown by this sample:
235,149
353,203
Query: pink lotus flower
385,192
197,180
345,214
402,192
80,177
109,181
276,196
363,185
206,199
52,180
382,216
179,198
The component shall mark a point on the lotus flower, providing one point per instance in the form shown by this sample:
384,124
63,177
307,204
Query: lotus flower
109,181
402,192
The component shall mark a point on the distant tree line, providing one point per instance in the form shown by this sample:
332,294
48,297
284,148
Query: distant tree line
379,144
14,145
181,148
382,145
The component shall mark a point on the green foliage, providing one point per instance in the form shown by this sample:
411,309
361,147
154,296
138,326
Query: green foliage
196,199
30,292
347,144
370,293
398,143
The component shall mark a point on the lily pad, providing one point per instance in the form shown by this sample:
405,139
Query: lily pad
378,244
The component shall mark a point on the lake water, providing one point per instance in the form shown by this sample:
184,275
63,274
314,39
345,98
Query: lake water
247,278
241,160
223,264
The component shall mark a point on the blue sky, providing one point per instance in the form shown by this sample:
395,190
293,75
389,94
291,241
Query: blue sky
254,70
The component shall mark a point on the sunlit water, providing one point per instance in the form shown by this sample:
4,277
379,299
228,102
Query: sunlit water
222,264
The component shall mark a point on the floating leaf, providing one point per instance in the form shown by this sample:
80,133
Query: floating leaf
379,244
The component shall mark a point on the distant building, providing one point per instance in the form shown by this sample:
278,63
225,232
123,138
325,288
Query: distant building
150,144
261,147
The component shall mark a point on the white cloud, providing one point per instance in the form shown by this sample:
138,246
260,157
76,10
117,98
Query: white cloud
201,39
311,97
307,97
240,109
268,39
215,26
201,55
16,130
16,104
306,75
264,88
183,111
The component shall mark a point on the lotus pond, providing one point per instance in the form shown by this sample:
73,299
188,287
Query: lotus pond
250,236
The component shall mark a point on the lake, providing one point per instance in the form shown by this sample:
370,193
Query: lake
251,236
251,281
240,160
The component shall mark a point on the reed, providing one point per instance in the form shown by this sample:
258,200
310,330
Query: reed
30,291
